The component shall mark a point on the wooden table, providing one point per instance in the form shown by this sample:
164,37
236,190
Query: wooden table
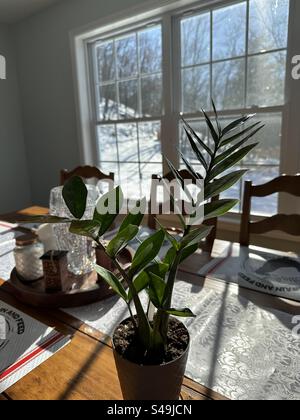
85,369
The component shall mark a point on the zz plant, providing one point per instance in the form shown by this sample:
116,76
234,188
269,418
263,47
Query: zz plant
148,272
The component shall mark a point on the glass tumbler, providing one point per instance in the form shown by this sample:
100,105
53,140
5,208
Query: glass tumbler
81,255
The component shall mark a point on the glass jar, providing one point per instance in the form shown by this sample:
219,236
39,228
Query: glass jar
27,255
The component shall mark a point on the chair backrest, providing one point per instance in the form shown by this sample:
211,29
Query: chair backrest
86,172
285,223
185,175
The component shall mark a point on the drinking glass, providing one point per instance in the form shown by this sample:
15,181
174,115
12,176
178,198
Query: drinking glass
81,254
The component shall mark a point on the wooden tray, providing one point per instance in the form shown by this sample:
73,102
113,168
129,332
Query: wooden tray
82,290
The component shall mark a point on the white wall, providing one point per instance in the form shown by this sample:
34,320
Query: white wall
14,180
47,90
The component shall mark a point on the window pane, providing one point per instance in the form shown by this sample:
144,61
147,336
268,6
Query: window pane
127,142
127,56
107,145
196,89
147,170
263,205
195,39
267,152
128,94
130,180
106,62
229,84
150,142
266,79
152,95
229,31
268,25
108,107
150,50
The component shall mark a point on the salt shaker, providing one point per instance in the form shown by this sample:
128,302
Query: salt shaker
27,255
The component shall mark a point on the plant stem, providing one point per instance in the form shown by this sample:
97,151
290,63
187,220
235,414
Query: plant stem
163,316
143,322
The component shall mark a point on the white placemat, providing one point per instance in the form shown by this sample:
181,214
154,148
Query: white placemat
237,349
25,343
267,271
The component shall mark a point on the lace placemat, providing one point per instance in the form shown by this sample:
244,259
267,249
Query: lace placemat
267,271
242,351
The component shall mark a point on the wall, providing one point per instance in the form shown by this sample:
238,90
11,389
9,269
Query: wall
14,179
47,92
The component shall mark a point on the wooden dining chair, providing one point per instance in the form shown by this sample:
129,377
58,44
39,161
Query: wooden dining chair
208,244
285,223
87,172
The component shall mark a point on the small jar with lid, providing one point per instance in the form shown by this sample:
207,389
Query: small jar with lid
27,255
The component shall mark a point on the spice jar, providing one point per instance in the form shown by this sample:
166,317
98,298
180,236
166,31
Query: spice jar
27,255
56,273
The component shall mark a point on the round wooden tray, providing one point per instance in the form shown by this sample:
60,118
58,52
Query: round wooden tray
82,290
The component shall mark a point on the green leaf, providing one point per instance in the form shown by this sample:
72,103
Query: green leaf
140,283
185,253
211,128
222,184
87,228
121,240
182,313
197,152
217,117
231,161
146,252
188,251
236,146
104,215
195,236
75,196
218,208
156,291
142,280
195,135
135,216
194,174
239,134
170,237
170,256
175,173
179,178
232,126
112,281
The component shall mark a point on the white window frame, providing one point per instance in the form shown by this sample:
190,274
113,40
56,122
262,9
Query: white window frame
166,11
